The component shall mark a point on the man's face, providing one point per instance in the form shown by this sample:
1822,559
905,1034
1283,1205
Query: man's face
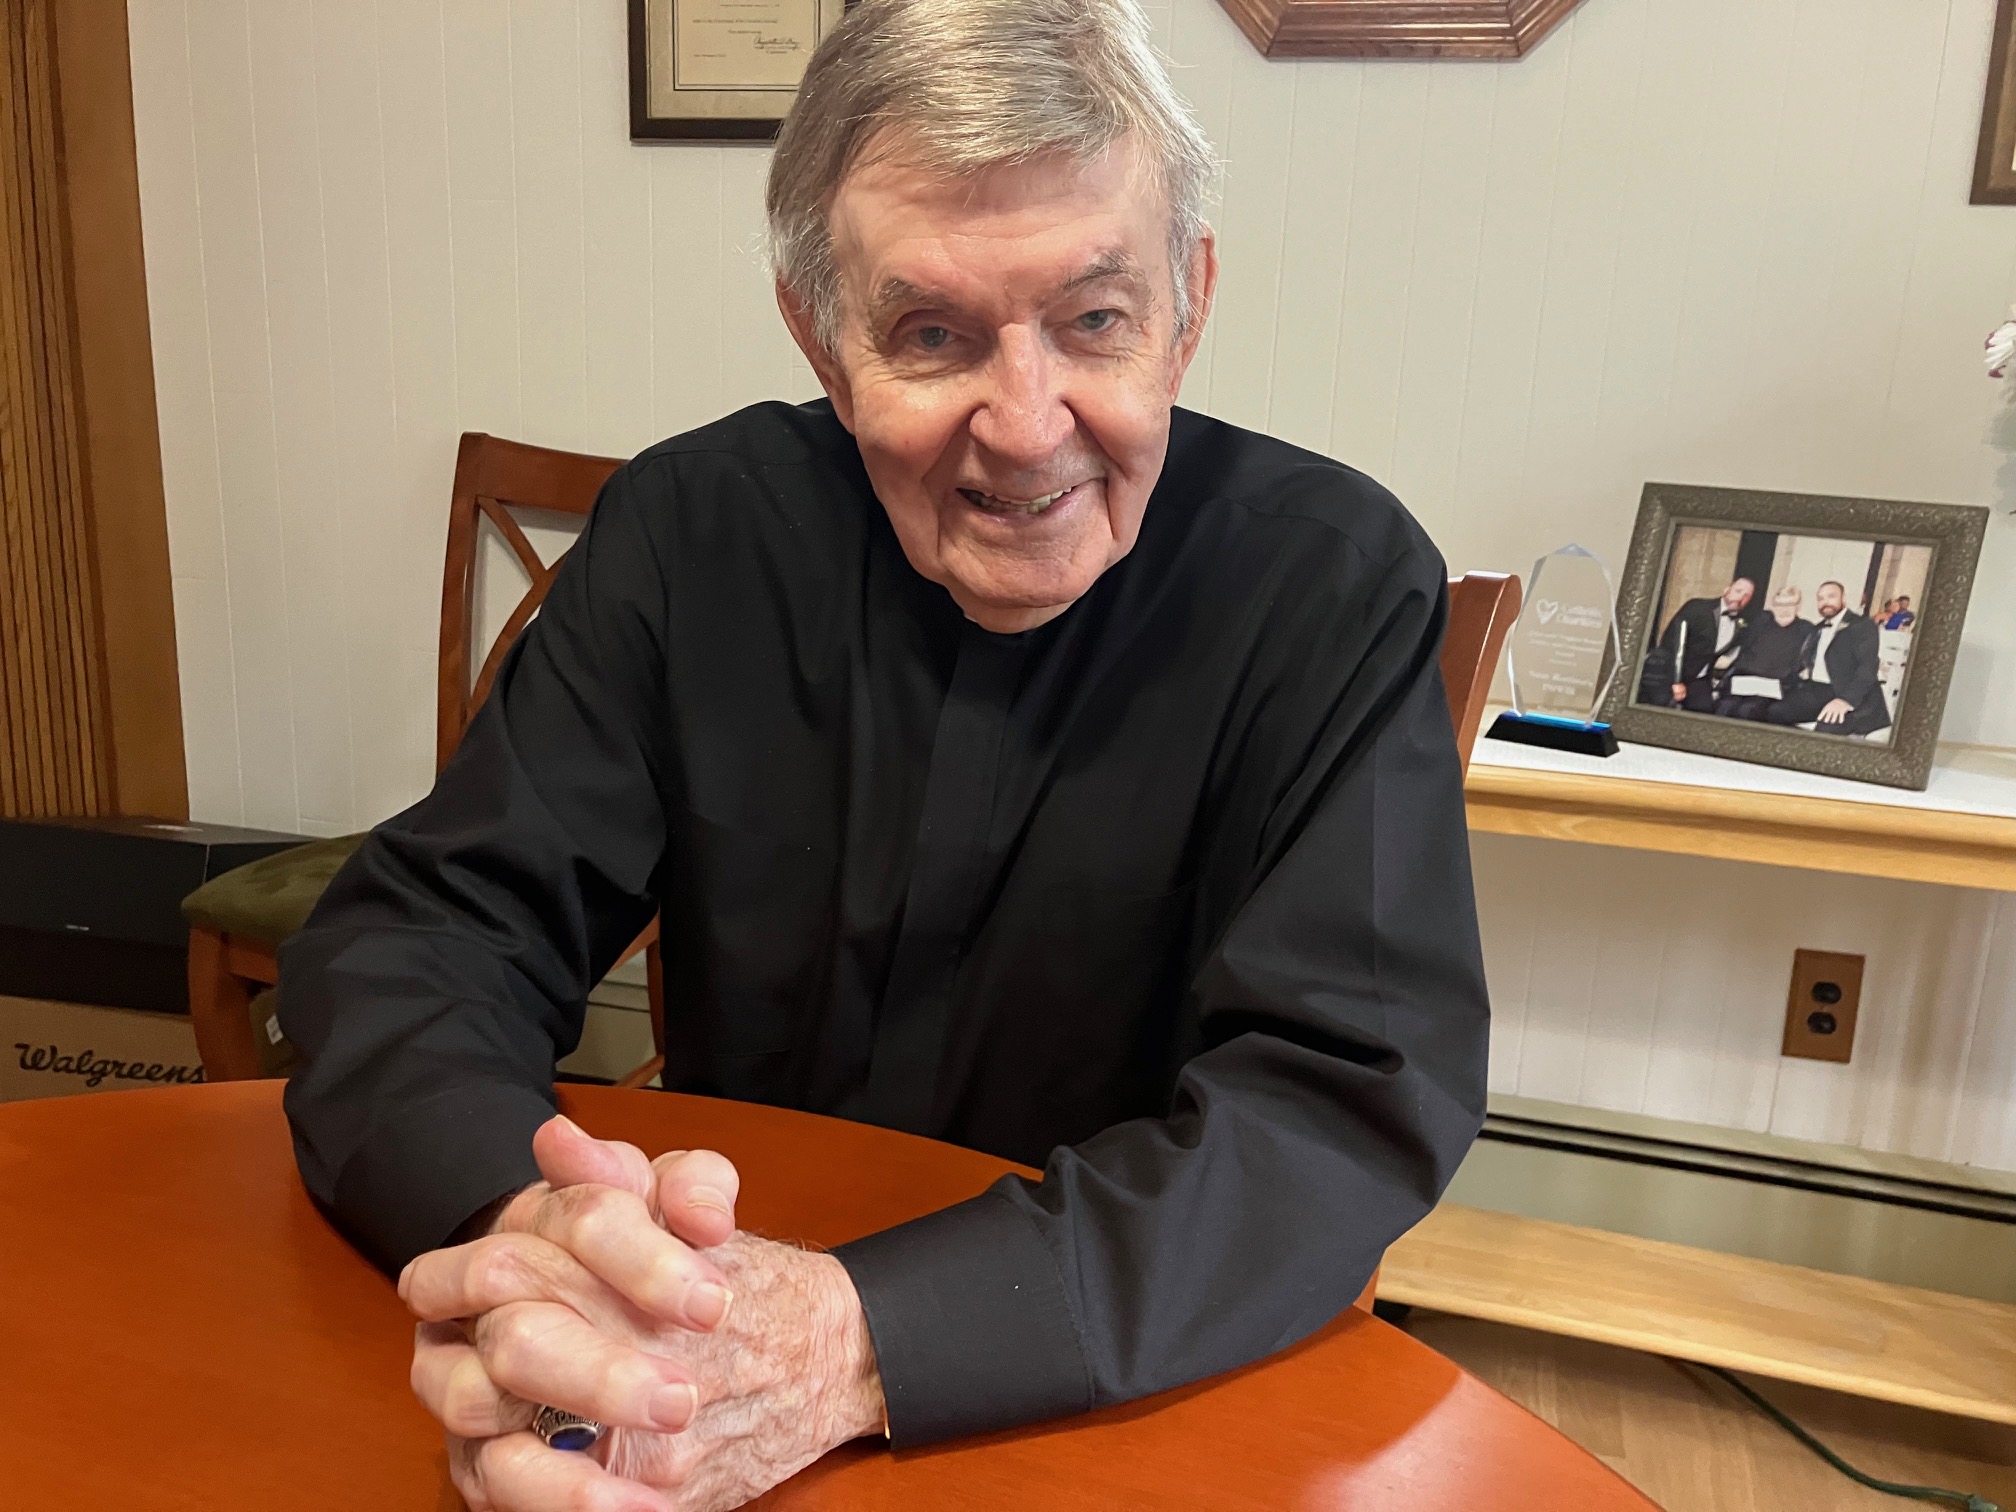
1785,607
1737,594
1830,599
1007,362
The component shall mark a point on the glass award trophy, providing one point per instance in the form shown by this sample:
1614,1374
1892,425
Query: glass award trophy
1562,655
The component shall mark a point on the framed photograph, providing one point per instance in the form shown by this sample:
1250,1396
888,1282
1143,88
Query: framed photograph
1995,157
1793,629
720,70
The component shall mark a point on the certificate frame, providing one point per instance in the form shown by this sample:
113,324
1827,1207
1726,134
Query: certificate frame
664,109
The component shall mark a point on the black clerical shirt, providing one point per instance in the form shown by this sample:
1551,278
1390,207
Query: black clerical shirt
1170,896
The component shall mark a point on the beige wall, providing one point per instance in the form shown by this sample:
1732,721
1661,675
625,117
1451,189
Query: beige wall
1711,241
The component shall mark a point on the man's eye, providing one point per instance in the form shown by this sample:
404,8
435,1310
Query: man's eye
1096,321
932,338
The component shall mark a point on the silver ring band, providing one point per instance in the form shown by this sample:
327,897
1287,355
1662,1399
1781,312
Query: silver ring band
567,1430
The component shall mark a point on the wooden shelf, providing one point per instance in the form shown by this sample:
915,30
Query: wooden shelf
1962,832
1868,1338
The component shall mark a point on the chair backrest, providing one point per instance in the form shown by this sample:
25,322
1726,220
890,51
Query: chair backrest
493,477
1482,606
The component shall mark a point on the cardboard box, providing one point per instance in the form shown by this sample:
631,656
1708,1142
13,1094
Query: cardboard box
50,1049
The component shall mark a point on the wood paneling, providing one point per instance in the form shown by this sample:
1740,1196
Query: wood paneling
121,440
55,750
89,706
1397,28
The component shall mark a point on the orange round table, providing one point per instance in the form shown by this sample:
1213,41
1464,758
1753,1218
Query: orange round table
179,1328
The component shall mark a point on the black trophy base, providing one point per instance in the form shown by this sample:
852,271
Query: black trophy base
1554,734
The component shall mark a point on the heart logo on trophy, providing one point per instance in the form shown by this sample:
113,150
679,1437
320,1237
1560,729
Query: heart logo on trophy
1562,655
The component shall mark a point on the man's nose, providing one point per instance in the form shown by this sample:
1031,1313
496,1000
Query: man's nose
1022,417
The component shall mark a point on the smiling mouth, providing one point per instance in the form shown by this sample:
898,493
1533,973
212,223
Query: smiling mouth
995,504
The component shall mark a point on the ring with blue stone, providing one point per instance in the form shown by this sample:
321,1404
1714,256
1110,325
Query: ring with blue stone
567,1430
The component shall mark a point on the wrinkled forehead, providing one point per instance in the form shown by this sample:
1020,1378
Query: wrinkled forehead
898,220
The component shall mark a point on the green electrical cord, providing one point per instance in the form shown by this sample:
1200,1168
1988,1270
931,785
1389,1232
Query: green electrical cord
1961,1499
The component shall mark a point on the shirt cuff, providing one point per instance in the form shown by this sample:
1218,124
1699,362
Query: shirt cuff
971,1326
419,1176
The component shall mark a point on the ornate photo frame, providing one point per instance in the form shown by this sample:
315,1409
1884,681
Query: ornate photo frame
1902,756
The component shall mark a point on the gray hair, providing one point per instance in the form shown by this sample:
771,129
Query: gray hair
972,84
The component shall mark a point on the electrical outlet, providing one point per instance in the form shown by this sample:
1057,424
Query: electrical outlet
1820,1009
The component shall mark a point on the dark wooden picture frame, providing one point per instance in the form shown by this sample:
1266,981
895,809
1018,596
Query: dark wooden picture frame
1397,28
758,125
1952,532
1995,157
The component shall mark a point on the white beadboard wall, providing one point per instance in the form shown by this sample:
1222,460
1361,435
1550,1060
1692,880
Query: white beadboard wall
1715,241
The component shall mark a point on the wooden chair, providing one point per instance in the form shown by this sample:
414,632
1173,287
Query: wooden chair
1482,606
238,920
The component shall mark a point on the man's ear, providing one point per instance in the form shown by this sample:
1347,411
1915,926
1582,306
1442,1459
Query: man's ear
798,316
1202,278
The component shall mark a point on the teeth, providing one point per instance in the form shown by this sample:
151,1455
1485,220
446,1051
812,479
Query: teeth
1014,506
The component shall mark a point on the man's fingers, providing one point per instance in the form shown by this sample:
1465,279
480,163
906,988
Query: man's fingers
543,1352
695,1195
569,1155
614,1235
449,1378
517,1473
489,1272
693,1191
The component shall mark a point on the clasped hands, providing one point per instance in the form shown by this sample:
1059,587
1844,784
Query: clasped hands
619,1288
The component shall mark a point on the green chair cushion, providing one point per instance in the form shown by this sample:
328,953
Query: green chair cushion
268,899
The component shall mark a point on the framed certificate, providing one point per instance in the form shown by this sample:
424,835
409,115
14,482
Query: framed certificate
720,70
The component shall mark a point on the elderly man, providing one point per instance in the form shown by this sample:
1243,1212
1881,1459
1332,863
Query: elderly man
1767,659
1014,758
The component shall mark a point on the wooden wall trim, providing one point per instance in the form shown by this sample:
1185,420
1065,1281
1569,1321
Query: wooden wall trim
115,373
52,745
1397,28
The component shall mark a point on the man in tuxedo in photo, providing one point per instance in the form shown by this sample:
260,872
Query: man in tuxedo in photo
1700,635
1837,688
1768,656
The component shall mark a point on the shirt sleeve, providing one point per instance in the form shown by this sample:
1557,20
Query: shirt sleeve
447,967
1344,1020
